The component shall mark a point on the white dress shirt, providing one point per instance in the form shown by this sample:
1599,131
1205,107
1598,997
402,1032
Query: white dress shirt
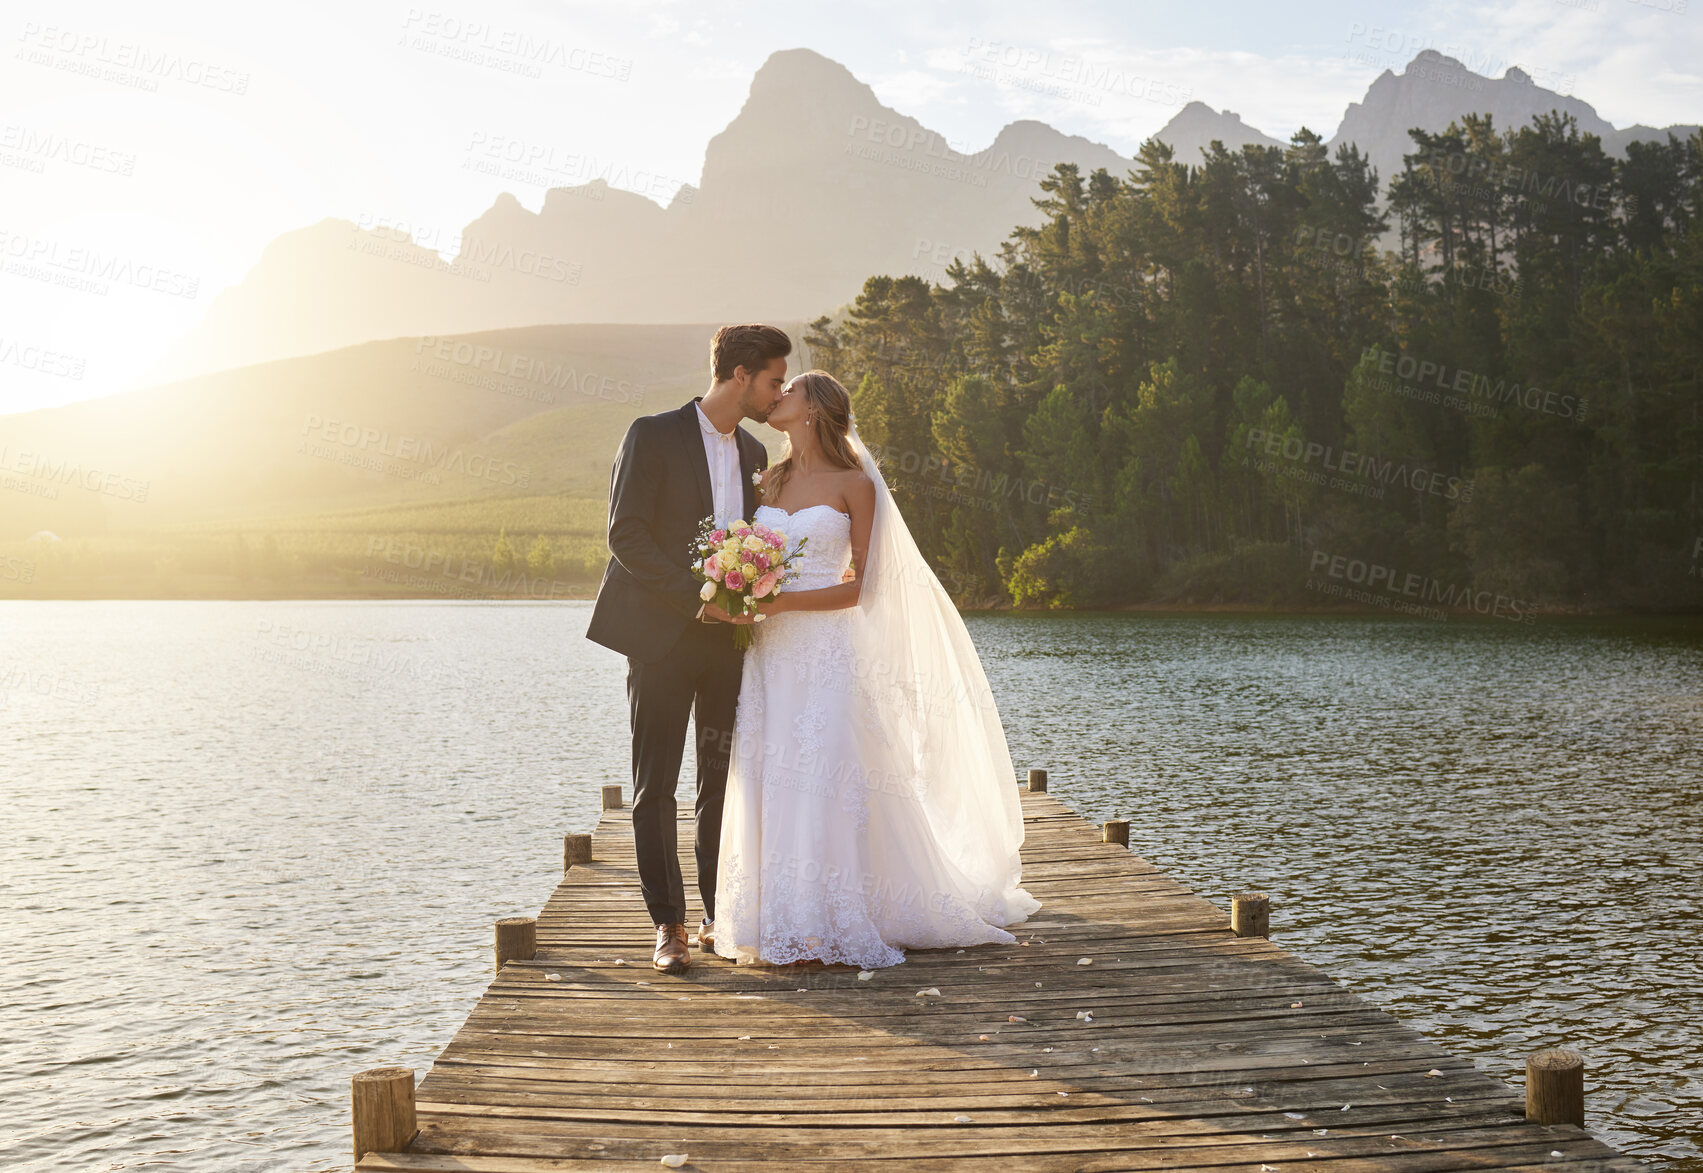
727,489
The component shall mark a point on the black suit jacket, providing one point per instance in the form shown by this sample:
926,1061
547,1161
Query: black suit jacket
658,493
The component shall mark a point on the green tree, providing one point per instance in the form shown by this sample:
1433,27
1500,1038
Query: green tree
503,558
540,558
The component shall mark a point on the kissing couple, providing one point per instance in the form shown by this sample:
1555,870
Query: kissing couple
855,792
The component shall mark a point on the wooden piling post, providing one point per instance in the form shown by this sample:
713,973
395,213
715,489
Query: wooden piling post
382,1110
1115,831
1250,915
576,848
1037,781
517,939
611,798
1555,1087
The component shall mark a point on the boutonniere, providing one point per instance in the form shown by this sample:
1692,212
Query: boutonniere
757,479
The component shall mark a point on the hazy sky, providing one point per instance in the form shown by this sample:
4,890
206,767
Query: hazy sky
270,118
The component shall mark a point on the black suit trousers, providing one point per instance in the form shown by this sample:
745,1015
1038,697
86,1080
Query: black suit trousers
698,677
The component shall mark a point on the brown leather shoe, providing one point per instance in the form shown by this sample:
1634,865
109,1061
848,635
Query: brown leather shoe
706,937
672,953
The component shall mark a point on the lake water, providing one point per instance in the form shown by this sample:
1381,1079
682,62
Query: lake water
254,847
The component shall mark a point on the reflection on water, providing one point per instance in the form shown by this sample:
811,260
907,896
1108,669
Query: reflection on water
256,847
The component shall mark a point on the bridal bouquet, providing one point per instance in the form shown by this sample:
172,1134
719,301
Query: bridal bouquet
741,564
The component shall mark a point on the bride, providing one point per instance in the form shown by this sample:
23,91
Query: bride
870,801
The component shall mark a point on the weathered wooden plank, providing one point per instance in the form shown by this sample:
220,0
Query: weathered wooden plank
949,1139
1326,1092
1570,1156
1243,1074
503,1098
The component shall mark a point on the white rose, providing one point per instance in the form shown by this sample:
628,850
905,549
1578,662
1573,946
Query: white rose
708,592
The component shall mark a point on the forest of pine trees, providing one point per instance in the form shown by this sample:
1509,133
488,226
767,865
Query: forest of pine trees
1213,384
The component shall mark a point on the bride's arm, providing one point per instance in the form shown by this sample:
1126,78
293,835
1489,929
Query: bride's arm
860,502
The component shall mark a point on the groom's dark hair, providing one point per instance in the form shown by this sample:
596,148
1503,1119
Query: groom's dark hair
752,346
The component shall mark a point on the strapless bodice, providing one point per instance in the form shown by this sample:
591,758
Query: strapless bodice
828,552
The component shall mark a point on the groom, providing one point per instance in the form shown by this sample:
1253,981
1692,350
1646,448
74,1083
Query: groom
674,470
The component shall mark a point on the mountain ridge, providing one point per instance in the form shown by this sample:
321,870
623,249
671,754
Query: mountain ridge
813,169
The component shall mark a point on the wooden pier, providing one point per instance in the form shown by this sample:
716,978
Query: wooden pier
1130,1028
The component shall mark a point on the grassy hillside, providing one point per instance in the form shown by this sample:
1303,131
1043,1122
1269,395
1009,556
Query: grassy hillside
508,413
361,471
428,549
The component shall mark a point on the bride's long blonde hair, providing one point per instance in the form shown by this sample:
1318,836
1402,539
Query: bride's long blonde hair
828,404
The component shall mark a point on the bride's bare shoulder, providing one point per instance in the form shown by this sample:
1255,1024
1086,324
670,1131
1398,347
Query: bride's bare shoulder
856,488
849,479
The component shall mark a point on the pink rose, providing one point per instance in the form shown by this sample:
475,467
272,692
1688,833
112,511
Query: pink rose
765,585
775,541
743,531
761,561
717,537
713,572
735,581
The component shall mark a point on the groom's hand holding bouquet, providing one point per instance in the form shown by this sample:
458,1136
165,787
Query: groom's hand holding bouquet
740,564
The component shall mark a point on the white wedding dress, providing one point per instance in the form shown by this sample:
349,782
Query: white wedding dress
870,805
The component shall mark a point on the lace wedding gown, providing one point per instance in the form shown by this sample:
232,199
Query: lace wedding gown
827,851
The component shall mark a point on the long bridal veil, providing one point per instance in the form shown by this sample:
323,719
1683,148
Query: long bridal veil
936,730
